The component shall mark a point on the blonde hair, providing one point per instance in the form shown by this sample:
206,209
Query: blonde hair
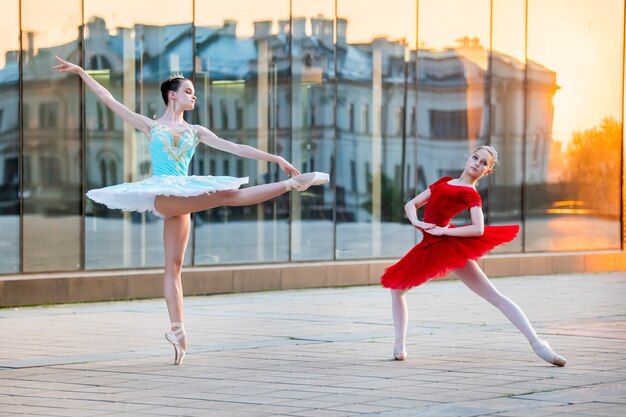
491,150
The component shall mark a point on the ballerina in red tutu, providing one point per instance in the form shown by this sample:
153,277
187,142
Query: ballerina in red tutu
446,248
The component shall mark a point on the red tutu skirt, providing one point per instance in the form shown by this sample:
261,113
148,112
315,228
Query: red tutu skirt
435,256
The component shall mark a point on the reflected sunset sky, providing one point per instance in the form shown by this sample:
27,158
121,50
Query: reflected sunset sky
577,39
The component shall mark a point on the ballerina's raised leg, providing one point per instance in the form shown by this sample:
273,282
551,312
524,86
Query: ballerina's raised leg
176,206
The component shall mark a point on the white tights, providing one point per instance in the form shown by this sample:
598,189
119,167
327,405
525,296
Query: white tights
472,276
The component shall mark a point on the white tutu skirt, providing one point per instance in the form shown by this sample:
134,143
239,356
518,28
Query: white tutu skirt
139,196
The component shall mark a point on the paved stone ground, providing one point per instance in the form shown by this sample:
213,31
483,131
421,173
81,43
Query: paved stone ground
324,353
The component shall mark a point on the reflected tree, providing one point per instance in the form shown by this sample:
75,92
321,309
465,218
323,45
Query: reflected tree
593,166
392,206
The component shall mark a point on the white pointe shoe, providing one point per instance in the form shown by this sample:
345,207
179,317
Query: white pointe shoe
545,352
399,352
318,178
175,337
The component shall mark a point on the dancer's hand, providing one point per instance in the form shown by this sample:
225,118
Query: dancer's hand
423,226
286,167
65,66
436,231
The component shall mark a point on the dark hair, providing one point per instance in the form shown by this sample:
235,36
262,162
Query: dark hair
171,84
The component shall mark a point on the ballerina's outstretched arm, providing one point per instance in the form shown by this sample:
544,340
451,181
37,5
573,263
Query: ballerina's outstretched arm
211,139
136,120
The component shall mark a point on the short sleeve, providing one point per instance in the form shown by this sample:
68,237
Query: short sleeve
471,198
434,185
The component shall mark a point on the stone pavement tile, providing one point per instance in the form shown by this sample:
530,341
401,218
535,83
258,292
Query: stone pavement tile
360,408
400,403
589,408
432,410
211,405
53,411
294,394
329,389
322,413
74,412
313,403
535,412
613,410
14,400
371,383
238,399
599,393
193,412
119,407
274,409
507,404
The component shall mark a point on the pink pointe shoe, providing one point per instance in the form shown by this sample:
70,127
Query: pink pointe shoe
399,351
545,352
175,337
306,180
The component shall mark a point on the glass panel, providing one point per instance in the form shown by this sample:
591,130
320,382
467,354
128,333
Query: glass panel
573,127
374,96
130,54
243,88
453,97
313,126
9,139
507,117
52,142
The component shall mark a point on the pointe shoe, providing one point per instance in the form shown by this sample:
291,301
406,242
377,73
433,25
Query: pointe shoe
318,178
175,337
545,352
399,352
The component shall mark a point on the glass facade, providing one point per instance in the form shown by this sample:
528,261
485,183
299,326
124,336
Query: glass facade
386,97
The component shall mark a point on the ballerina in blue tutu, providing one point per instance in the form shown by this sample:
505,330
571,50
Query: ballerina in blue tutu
171,193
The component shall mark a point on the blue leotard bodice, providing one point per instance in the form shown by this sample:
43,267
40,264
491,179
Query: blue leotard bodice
170,157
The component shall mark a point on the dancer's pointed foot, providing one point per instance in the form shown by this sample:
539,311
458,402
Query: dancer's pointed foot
399,351
303,181
545,352
177,338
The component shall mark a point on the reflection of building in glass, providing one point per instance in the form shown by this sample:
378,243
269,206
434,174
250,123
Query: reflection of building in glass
244,92
383,119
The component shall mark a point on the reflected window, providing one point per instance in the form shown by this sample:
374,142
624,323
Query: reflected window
224,112
399,120
351,117
99,62
240,171
211,122
26,116
365,120
50,170
455,124
239,115
48,115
